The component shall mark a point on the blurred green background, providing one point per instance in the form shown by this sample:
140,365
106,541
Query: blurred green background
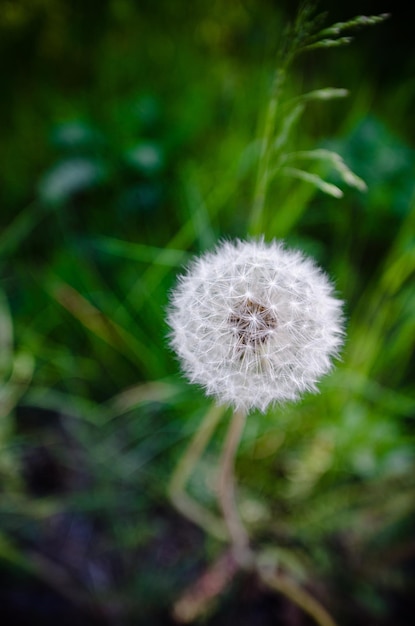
127,134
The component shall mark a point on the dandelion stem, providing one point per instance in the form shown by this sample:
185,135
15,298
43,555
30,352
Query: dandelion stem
181,500
237,532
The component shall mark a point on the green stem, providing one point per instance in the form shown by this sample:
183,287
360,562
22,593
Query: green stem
256,221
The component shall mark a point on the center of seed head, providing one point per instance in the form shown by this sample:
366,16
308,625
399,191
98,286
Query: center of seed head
252,323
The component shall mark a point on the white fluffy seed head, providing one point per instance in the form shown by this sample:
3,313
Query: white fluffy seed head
255,323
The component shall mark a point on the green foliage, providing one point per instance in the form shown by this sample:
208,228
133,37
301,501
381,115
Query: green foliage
142,152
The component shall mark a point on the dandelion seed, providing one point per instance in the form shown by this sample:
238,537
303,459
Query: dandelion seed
255,323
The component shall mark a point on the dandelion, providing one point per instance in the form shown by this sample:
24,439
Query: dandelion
255,323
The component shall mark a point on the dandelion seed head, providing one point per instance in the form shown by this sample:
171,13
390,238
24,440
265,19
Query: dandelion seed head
255,323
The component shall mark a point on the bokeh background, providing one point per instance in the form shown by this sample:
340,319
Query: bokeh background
125,131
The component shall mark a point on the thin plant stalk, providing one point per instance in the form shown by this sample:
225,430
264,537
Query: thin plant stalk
227,498
256,221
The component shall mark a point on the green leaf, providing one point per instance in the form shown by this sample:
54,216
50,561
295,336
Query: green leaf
140,251
69,178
